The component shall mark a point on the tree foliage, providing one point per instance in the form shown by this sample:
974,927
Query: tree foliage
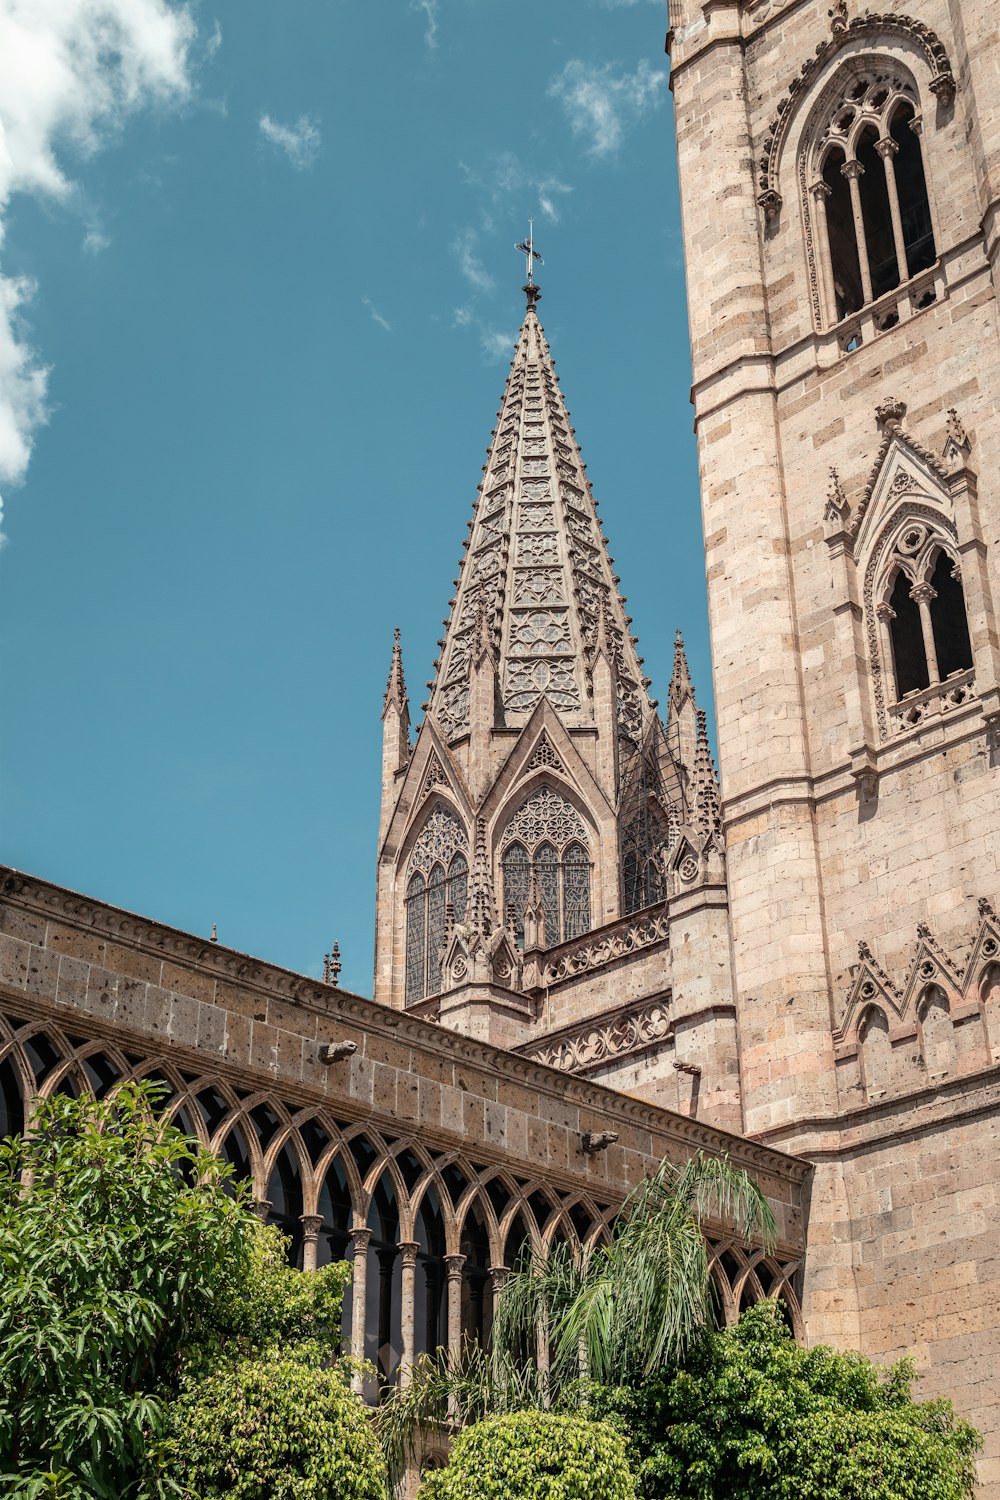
533,1455
283,1428
753,1416
130,1268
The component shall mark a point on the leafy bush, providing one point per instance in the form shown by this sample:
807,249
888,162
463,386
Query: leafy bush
130,1267
753,1416
272,1429
531,1455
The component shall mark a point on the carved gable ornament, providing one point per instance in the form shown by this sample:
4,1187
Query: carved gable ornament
870,30
903,470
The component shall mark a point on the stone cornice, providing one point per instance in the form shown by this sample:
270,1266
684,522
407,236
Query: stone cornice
56,903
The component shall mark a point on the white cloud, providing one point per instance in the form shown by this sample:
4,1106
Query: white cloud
300,142
376,315
70,75
602,104
471,267
94,241
505,176
429,11
497,344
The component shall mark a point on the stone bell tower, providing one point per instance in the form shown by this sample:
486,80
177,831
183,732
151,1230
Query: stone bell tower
846,363
537,837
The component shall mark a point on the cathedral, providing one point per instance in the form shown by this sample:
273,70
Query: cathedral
591,952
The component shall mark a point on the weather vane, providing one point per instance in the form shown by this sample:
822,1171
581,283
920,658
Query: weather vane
527,249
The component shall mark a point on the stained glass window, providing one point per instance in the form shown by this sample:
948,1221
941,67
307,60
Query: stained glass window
458,885
576,891
546,838
435,929
416,927
439,847
516,876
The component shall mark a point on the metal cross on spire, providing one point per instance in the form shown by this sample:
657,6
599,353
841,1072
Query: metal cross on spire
527,248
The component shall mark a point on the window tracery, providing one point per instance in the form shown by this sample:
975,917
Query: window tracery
921,645
546,841
438,883
873,230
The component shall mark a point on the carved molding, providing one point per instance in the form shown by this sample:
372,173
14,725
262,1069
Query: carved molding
942,84
601,1039
596,949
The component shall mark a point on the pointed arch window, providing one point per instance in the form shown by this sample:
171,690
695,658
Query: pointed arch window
871,210
545,845
925,645
437,889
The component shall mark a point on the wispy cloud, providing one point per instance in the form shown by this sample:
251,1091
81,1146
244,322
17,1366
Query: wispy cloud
429,11
602,104
466,248
376,315
94,241
72,74
505,177
300,142
497,343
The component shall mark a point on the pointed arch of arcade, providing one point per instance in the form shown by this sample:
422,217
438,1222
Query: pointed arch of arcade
431,1234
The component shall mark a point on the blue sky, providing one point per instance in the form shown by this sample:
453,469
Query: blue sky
258,294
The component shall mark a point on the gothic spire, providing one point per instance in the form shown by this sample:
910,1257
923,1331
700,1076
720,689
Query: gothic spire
707,803
395,688
481,905
536,568
680,681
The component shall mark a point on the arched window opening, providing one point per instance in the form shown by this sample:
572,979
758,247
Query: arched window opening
335,1208
430,1309
284,1193
11,1103
877,215
383,1326
645,840
911,186
42,1056
214,1109
950,626
842,236
477,1302
102,1074
909,658
236,1152
545,840
438,884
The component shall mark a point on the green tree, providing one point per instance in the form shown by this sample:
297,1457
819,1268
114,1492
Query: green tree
272,1428
130,1268
753,1416
533,1455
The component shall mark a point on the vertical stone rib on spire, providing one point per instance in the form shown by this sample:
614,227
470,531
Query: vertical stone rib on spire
537,566
680,680
481,906
707,803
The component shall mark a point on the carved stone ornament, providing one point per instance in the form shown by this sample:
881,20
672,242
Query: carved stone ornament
942,82
599,1039
889,414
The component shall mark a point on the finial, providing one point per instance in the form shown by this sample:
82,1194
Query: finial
680,678
527,248
215,936
331,963
395,688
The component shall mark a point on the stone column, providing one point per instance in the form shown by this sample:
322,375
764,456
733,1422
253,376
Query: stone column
854,171
923,594
885,614
542,1354
311,1226
820,192
498,1275
408,1251
453,1265
362,1239
262,1207
887,149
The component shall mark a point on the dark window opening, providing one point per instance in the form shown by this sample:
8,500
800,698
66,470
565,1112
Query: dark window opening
908,655
911,185
948,620
843,241
877,216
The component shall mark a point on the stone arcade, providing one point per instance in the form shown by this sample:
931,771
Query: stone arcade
587,955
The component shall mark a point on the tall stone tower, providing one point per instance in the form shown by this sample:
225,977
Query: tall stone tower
846,353
542,835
